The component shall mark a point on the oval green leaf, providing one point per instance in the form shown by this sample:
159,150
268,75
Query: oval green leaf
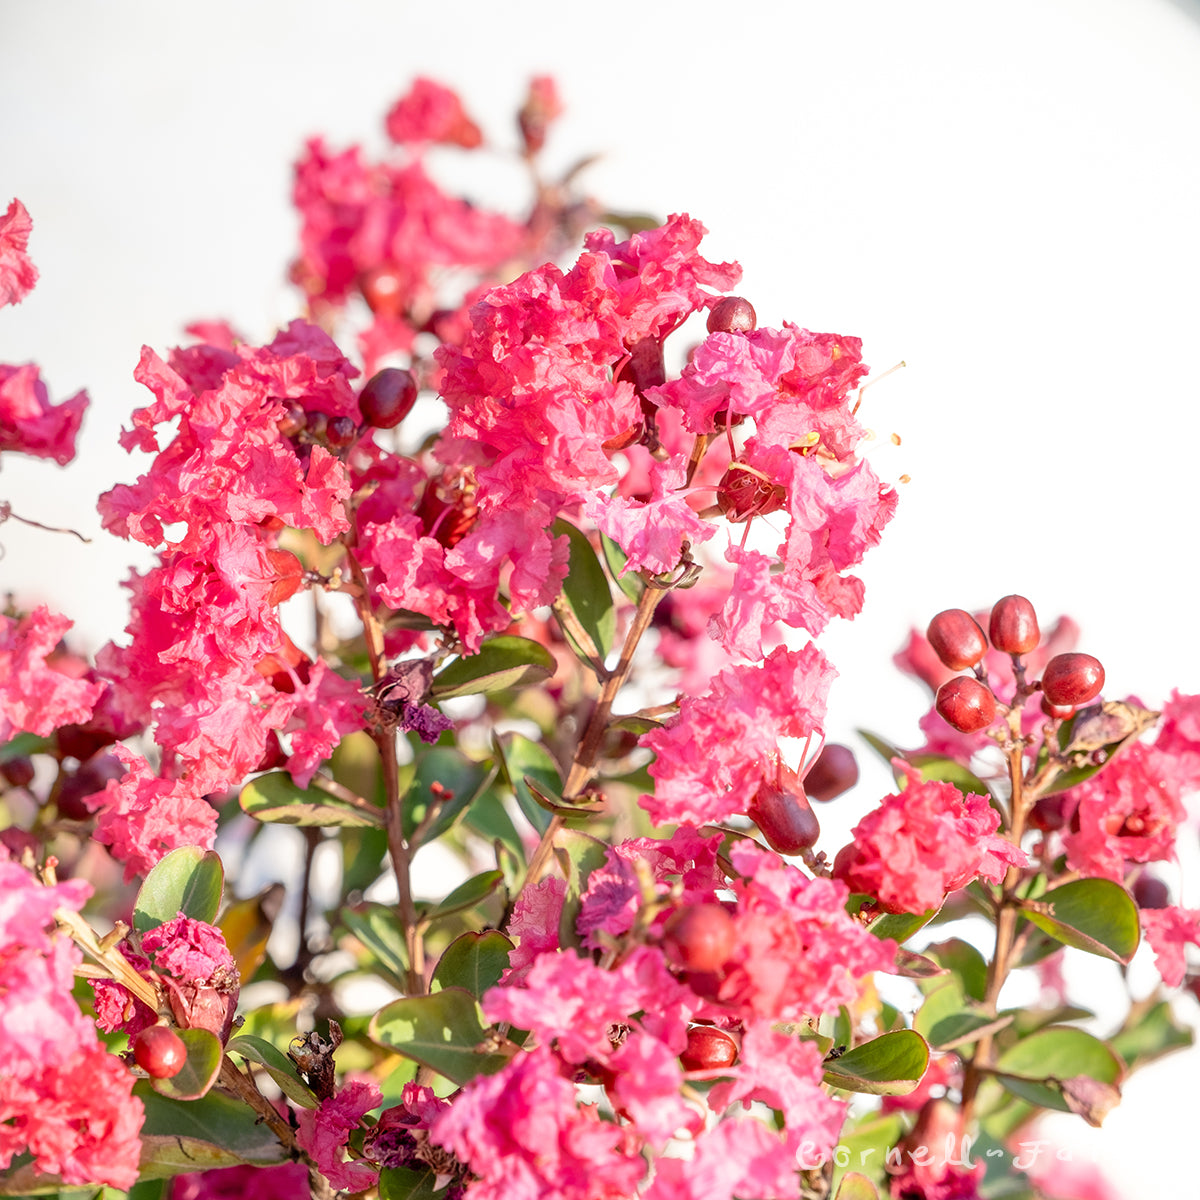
899,927
1095,915
189,880
199,1070
939,768
378,928
454,772
474,891
275,799
195,1135
403,1183
444,1032
856,1187
1037,1067
502,662
889,1065
520,757
579,854
586,590
615,559
278,1066
473,961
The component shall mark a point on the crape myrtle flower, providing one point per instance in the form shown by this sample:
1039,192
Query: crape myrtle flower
923,842
1169,930
34,697
17,272
324,1131
29,423
429,112
713,755
63,1098
522,1132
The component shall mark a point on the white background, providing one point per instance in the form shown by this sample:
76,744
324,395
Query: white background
1005,196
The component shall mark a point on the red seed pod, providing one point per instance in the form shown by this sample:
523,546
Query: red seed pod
956,639
833,771
1150,892
732,314
700,938
1014,626
784,817
708,1049
966,704
159,1051
1072,679
340,432
388,397
1050,813
292,421
17,771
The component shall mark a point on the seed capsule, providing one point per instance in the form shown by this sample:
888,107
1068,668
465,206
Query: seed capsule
1072,679
388,397
732,314
700,938
160,1052
1013,627
785,818
966,704
956,639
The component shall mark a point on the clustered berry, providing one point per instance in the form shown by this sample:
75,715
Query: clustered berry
160,1052
967,703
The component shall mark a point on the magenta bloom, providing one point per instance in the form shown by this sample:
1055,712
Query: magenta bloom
715,753
1169,930
17,272
29,423
34,697
429,112
927,840
525,1135
323,1134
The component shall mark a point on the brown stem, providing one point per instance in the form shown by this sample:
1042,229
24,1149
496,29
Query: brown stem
385,739
245,1090
1006,916
593,735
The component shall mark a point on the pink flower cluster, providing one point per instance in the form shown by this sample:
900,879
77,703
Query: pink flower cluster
926,841
63,1098
208,665
29,423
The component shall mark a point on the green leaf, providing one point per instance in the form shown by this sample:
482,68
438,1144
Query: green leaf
615,559
939,768
189,880
502,662
381,932
403,1183
1095,915
586,590
467,895
884,749
274,798
519,757
473,961
856,1187
947,1020
23,745
867,1140
1037,1066
579,854
456,774
278,1066
196,1135
489,818
199,1071
900,926
444,1032
963,961
1157,1032
363,851
889,1065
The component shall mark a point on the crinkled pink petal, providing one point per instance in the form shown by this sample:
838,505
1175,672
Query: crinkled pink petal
29,423
323,1133
1169,930
17,272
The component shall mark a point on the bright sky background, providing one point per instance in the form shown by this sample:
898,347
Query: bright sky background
1004,196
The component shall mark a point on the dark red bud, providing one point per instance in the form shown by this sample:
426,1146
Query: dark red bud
956,639
700,938
1013,627
18,771
1150,892
160,1052
388,397
340,432
966,704
292,421
708,1049
784,817
316,424
732,314
1072,679
833,771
